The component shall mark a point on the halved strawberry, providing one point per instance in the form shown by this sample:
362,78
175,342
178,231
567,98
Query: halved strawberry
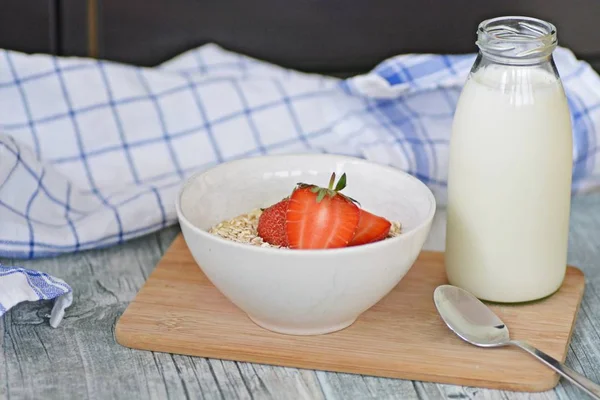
371,228
271,224
320,218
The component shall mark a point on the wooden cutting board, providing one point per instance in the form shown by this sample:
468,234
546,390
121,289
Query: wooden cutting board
179,311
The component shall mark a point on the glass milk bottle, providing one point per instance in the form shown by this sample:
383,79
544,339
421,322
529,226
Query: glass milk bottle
509,183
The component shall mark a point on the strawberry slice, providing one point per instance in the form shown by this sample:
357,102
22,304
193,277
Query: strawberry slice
271,224
371,228
321,218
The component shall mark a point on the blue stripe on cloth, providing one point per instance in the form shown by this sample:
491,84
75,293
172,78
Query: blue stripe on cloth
28,214
73,118
249,119
416,123
166,137
25,103
293,115
66,288
117,119
202,111
163,214
12,170
580,139
201,64
68,216
382,116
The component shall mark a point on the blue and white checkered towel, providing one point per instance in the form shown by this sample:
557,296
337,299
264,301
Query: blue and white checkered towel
19,284
92,153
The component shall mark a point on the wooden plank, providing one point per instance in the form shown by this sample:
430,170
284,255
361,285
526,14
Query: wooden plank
179,311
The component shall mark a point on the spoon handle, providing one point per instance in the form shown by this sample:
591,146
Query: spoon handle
584,383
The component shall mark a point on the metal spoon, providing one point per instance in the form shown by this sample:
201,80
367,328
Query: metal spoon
475,323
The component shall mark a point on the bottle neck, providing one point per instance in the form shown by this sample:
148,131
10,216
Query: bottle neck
492,58
516,40
485,59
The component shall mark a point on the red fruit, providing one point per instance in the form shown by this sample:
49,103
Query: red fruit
319,218
371,228
271,224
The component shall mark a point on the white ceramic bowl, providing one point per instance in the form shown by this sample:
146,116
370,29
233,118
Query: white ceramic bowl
303,292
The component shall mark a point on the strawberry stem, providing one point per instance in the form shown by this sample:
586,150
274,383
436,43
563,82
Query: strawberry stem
331,181
341,183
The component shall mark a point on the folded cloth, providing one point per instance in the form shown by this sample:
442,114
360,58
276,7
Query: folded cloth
92,153
19,284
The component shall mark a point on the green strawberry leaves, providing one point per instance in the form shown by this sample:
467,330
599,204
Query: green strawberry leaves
330,190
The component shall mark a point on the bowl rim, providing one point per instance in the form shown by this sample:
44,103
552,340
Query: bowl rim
305,252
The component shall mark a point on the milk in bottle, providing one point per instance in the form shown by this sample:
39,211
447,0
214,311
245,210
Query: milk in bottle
509,183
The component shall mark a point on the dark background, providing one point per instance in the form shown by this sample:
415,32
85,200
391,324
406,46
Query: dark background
339,37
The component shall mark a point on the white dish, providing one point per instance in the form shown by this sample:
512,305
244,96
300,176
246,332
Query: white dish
303,292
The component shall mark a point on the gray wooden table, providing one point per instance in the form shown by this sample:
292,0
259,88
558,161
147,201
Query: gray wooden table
81,359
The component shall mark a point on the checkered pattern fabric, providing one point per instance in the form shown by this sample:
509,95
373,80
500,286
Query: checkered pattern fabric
19,284
92,153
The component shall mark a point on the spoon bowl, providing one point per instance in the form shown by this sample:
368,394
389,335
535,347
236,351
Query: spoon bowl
474,322
469,318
